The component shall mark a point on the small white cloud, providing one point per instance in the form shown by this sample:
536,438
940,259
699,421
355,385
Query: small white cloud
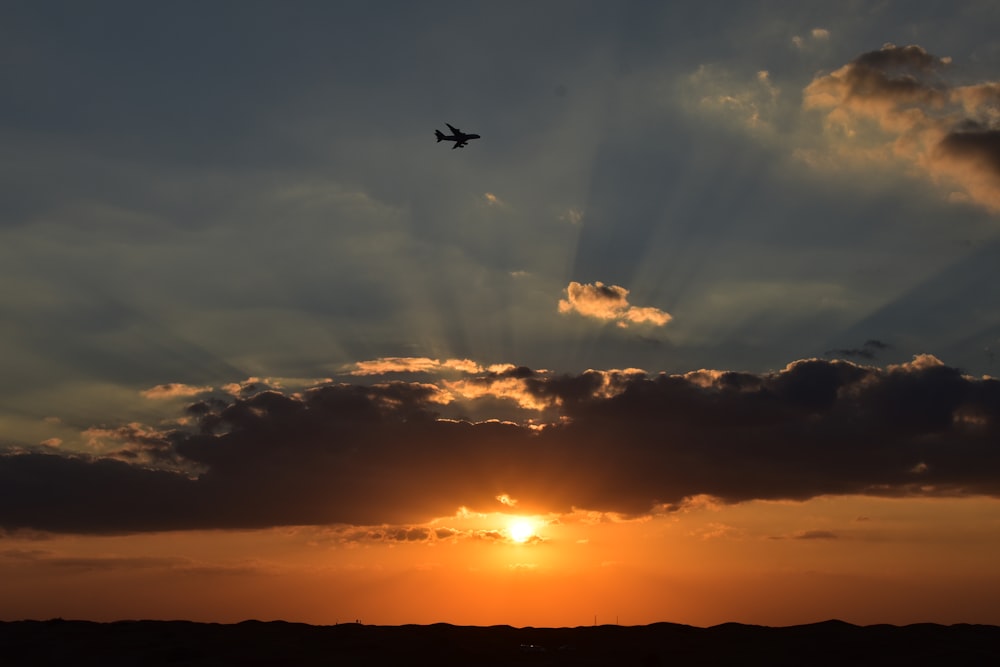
574,216
815,35
752,103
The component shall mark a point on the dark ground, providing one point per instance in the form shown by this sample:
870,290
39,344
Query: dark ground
179,643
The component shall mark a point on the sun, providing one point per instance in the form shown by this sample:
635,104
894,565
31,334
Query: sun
521,530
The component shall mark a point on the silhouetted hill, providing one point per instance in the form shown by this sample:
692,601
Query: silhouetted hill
256,643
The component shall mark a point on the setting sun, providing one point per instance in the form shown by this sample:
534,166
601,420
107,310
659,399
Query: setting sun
521,530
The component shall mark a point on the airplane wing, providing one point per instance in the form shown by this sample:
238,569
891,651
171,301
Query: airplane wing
458,144
454,130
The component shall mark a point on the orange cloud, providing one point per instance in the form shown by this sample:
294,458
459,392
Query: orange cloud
385,365
532,390
894,104
173,390
505,499
97,437
610,303
248,386
513,388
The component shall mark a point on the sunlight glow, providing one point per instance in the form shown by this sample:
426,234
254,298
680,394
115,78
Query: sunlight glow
521,530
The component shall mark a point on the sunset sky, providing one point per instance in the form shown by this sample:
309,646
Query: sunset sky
702,329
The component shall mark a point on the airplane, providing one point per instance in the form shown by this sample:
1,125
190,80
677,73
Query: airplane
460,138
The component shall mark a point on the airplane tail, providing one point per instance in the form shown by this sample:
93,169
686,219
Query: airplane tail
439,135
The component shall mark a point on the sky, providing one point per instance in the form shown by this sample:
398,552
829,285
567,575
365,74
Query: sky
701,329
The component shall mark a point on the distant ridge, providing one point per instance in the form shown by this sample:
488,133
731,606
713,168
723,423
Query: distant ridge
175,643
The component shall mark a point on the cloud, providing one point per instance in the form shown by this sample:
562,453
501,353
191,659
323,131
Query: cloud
386,365
254,385
574,216
715,530
406,534
504,499
868,351
503,386
750,102
610,303
816,535
174,390
821,35
534,390
897,105
618,443
138,445
409,533
808,535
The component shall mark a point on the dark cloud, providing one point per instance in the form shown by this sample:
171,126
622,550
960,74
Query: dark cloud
402,535
445,533
891,58
380,455
868,351
73,494
418,534
816,535
808,535
976,144
893,74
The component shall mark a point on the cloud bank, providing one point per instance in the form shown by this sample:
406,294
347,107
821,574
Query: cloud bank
626,442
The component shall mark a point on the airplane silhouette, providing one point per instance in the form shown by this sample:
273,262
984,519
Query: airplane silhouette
460,138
